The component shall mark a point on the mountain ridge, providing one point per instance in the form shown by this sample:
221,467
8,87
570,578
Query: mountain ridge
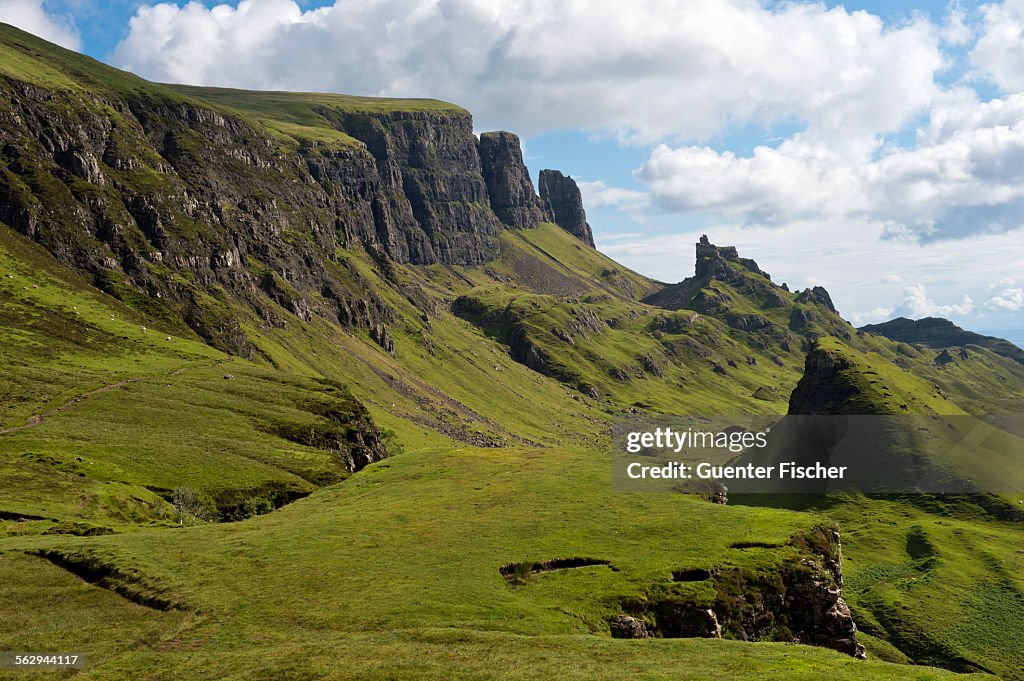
936,332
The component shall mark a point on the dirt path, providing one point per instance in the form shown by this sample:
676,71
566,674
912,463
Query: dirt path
34,421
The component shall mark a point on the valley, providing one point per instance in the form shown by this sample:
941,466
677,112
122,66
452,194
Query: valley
308,386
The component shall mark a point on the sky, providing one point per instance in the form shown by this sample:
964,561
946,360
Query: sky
875,148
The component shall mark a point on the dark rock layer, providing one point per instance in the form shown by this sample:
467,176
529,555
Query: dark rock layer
512,196
561,198
801,602
166,202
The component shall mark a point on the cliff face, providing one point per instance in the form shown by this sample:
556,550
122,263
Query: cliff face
562,200
170,201
433,185
800,601
513,199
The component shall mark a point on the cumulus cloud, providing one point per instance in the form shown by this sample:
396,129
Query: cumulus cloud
31,16
917,304
964,175
999,53
1007,296
647,69
598,194
878,314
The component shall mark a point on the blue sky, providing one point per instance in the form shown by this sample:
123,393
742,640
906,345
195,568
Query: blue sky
876,148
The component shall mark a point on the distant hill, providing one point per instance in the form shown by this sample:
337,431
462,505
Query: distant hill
941,333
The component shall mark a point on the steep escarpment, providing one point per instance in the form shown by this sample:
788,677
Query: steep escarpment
430,168
561,198
512,196
184,201
177,208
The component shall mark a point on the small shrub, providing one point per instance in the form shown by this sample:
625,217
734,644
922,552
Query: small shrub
256,506
191,506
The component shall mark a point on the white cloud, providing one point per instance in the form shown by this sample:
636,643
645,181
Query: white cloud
879,314
645,69
917,304
31,16
1007,296
965,175
956,31
599,195
999,53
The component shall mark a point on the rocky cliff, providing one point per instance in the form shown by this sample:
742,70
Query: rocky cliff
561,198
722,262
511,192
800,601
173,197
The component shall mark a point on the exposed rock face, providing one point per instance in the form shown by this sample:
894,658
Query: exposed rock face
722,262
511,192
817,295
747,322
381,337
430,164
823,389
562,200
802,602
688,620
625,626
167,199
349,434
364,444
801,317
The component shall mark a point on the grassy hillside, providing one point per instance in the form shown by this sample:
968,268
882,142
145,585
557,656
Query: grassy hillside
304,118
426,531
177,495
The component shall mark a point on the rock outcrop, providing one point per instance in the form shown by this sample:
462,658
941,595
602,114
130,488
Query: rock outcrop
512,196
625,626
801,602
563,202
824,389
161,194
722,262
816,295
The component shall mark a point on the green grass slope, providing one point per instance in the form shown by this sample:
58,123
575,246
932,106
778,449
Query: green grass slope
425,532
935,575
494,402
404,558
